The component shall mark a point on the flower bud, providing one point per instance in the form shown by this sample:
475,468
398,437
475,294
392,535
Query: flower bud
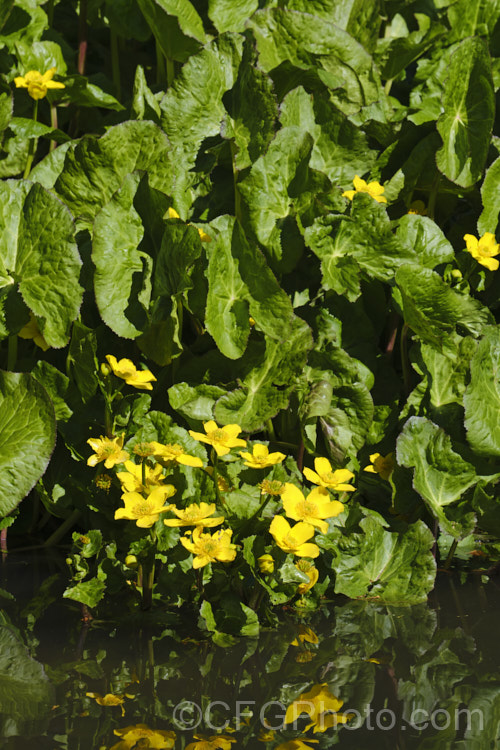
105,369
131,561
266,564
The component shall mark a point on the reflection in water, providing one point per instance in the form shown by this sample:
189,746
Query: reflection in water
356,674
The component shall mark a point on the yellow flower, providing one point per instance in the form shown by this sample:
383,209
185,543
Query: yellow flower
32,331
172,214
305,634
374,189
38,84
222,439
208,548
294,539
483,249
299,743
319,700
194,515
314,510
260,458
110,699
145,511
418,207
215,742
174,452
140,735
381,465
324,476
271,487
266,735
127,371
265,564
132,478
109,450
311,572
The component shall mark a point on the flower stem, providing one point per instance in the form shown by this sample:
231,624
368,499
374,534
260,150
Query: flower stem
270,430
32,144
53,124
161,73
82,37
50,12
213,458
143,472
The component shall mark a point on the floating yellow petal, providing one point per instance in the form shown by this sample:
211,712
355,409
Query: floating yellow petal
37,83
483,249
222,439
374,189
127,371
260,458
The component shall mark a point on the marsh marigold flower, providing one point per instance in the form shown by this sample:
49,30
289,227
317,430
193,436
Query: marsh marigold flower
139,735
312,510
260,458
324,476
37,83
127,371
172,214
145,511
32,331
294,540
311,572
194,515
483,249
265,564
173,452
222,439
110,699
131,479
374,189
208,548
317,701
215,742
299,743
109,450
382,465
418,208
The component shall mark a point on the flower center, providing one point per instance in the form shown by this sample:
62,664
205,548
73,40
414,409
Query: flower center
143,449
218,436
142,509
307,508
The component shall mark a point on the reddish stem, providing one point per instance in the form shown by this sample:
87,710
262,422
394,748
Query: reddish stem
82,37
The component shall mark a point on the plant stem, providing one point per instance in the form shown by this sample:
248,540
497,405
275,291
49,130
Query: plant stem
12,352
3,542
300,456
270,430
405,365
53,124
388,86
392,333
254,515
451,554
115,64
237,195
82,37
147,585
143,472
32,144
63,528
50,12
431,205
170,71
213,458
161,73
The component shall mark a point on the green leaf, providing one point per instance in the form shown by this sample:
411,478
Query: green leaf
482,397
195,402
226,15
433,310
472,18
26,694
192,109
241,284
38,249
441,475
56,385
425,238
448,370
80,91
490,194
361,18
176,25
88,592
144,104
24,127
96,167
469,109
82,359
265,390
122,280
27,436
391,567
126,19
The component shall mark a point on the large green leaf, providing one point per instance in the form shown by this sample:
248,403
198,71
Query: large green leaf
441,475
241,284
470,18
425,238
482,397
192,108
395,568
309,42
176,25
432,309
469,109
361,18
228,15
490,194
96,167
38,250
448,371
26,694
27,436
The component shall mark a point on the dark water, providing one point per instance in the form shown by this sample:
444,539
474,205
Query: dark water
426,676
